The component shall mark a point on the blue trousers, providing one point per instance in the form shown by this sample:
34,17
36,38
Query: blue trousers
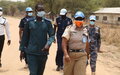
36,64
59,55
93,59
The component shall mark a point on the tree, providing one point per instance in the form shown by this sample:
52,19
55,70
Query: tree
112,3
54,6
13,9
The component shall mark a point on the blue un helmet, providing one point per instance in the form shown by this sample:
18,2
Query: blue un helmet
28,9
92,17
79,14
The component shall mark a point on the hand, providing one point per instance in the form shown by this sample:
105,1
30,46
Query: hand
54,41
22,56
88,56
9,42
67,58
46,48
19,41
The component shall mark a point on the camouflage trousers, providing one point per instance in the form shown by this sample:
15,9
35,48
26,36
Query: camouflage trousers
93,59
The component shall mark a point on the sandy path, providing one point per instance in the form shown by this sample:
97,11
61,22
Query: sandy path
12,65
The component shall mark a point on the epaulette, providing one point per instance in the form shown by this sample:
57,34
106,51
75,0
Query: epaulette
85,26
58,17
31,19
47,20
4,21
69,26
3,17
97,27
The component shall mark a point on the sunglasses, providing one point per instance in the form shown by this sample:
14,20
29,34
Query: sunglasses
79,19
92,20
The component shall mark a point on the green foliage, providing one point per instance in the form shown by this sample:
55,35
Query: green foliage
54,6
12,8
112,3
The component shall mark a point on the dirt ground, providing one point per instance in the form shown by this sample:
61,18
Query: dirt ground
108,62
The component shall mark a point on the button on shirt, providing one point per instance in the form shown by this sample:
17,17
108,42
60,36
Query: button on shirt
35,37
4,26
75,37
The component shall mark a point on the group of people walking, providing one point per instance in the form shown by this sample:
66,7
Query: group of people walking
76,43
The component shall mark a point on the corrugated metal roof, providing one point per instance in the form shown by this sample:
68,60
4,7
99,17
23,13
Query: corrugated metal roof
109,10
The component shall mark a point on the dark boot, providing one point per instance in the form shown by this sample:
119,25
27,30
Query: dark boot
58,68
61,67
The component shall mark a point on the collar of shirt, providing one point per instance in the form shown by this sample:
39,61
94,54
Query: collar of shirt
91,26
85,31
40,21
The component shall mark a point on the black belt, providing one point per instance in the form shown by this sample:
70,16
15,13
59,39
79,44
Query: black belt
78,50
2,35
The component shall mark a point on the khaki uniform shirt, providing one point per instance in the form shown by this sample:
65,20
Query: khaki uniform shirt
75,37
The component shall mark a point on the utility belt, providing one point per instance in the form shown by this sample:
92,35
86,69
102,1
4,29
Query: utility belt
76,50
2,35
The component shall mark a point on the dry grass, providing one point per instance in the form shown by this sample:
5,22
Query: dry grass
110,34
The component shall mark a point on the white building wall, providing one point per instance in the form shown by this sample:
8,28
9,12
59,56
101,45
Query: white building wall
111,18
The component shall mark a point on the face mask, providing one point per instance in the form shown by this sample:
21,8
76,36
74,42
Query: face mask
92,23
63,16
30,14
1,13
41,14
79,23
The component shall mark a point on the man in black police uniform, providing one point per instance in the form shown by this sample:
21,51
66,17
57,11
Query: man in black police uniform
61,23
23,22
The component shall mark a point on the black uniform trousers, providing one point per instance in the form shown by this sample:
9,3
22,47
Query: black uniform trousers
2,38
59,55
